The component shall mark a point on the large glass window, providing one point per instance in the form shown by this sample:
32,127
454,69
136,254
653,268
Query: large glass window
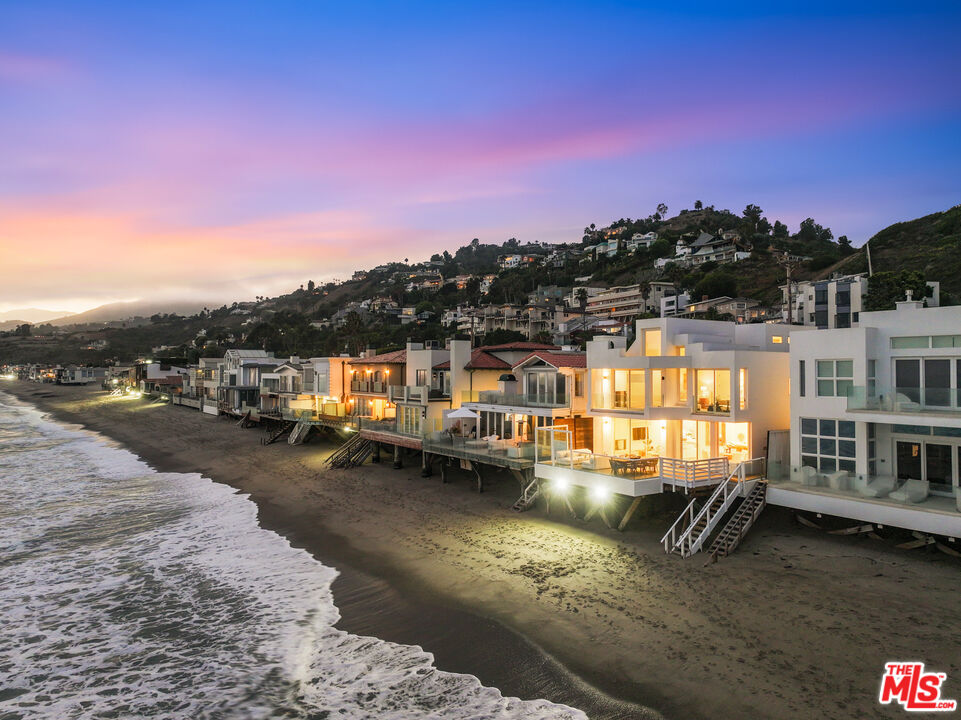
695,440
742,389
713,391
617,389
828,445
652,342
733,441
937,382
835,377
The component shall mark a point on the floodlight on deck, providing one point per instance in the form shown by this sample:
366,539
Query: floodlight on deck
560,486
600,493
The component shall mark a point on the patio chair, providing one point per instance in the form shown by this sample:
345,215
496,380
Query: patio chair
838,480
878,487
913,491
806,475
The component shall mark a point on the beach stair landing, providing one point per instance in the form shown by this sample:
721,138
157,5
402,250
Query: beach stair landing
692,529
353,452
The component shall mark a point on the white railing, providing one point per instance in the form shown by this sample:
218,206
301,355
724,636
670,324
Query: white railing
691,474
684,541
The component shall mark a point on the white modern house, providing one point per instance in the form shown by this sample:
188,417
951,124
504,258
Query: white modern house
876,421
680,407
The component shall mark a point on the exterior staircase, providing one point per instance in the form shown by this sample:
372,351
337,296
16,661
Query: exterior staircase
527,499
272,436
741,521
353,452
300,432
694,525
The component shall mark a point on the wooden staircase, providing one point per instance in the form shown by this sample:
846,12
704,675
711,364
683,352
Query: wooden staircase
244,420
271,436
353,452
740,522
300,432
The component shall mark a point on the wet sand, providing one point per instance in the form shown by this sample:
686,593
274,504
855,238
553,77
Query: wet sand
796,624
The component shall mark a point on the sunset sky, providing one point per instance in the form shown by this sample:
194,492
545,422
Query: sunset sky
225,150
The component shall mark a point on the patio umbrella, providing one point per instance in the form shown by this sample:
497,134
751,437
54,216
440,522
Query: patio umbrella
463,414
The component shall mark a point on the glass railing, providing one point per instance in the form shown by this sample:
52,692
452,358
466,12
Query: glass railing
905,399
712,406
524,399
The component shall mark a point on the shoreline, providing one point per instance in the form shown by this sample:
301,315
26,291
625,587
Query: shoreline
373,599
468,580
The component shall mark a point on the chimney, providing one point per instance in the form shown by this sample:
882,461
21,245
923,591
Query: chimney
909,303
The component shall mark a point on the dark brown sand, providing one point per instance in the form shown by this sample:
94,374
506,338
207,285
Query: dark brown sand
796,624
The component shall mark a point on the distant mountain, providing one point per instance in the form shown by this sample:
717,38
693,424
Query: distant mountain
32,315
118,311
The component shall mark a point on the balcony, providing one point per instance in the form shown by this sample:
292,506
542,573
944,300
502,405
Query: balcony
866,498
905,400
368,386
493,397
630,475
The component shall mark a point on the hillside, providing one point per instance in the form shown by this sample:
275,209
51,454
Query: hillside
113,312
30,315
930,245
298,322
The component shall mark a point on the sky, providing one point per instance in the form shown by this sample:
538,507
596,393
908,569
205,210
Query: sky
223,150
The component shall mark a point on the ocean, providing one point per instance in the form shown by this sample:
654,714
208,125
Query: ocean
128,593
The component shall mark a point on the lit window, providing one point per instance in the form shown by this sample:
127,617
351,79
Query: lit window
652,342
777,339
742,389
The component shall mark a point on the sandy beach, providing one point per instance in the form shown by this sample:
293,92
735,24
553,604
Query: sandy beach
797,623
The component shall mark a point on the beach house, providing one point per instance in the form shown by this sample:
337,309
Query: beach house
238,390
545,387
306,389
679,407
371,377
876,421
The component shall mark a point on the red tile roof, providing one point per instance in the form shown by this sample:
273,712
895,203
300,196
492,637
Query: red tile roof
559,359
480,359
397,357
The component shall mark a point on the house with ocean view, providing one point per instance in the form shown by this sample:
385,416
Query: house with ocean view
876,421
677,408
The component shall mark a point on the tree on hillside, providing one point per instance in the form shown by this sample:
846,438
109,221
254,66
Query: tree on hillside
715,284
887,288
780,231
844,245
698,205
811,232
354,330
